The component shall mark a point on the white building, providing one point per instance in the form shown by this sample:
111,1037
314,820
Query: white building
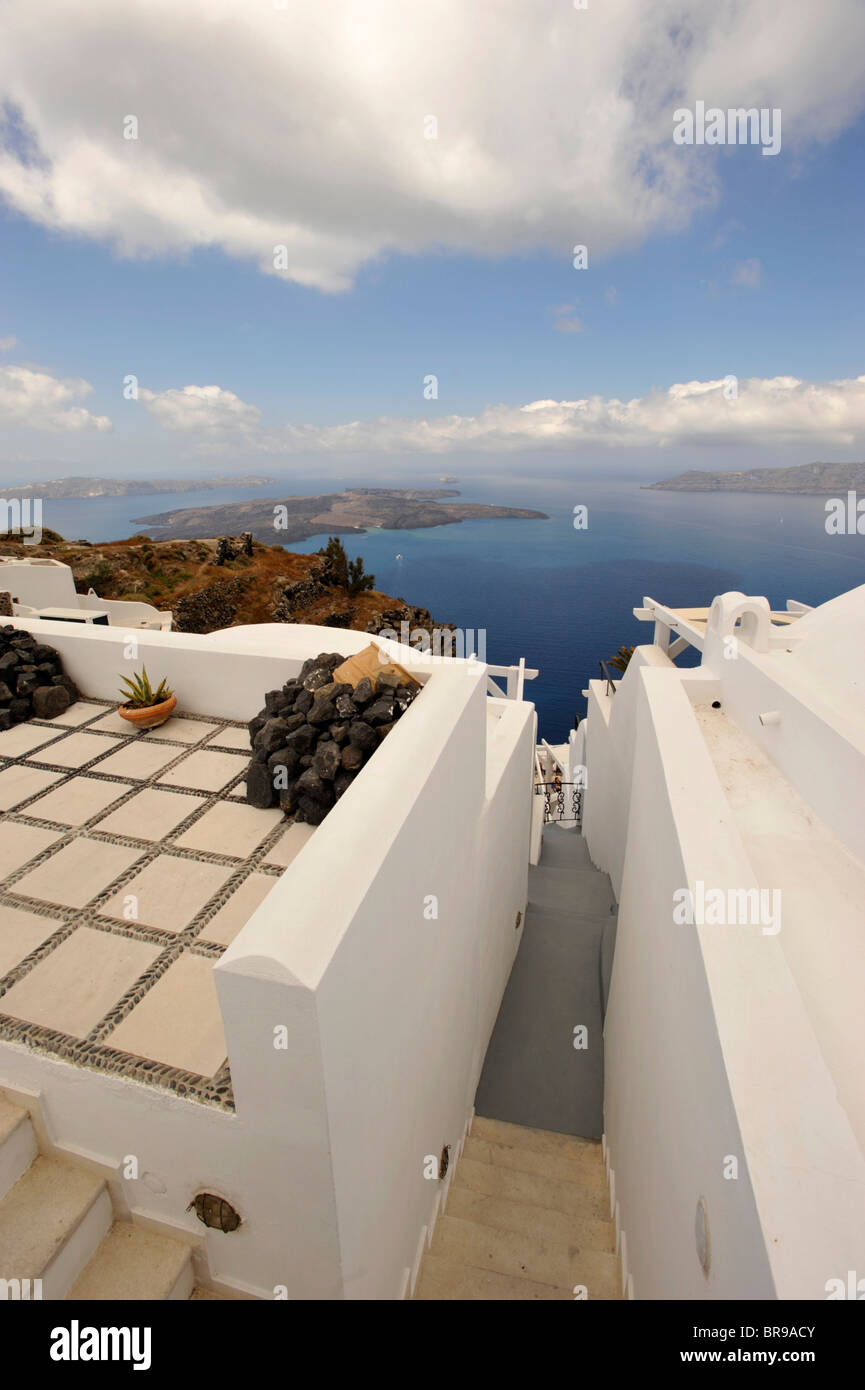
306,1043
37,587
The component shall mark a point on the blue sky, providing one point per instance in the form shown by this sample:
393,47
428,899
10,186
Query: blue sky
761,278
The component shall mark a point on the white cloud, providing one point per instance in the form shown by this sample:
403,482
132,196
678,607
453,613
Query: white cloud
207,410
566,320
303,127
6,344
767,411
32,399
748,273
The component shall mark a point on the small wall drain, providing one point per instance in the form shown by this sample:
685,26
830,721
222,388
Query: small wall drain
701,1230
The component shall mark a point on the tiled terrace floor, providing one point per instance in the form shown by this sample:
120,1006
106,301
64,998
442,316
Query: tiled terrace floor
128,862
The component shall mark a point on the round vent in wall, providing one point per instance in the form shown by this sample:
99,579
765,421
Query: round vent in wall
214,1211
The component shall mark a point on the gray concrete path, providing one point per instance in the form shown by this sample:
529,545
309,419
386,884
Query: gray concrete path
533,1075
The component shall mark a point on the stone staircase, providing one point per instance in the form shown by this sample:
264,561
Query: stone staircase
57,1224
527,1217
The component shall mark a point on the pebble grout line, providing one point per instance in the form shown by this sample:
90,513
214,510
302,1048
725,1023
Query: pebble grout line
93,1050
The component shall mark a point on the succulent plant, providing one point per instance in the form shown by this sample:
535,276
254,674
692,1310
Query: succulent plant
140,693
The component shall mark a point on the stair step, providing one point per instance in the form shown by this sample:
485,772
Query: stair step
51,1223
535,1189
442,1278
506,1214
17,1144
563,1265
541,1140
201,1295
134,1264
588,1171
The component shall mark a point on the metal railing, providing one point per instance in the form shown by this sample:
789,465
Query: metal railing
563,801
605,672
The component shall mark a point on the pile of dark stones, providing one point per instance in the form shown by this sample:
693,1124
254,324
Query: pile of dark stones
315,734
32,683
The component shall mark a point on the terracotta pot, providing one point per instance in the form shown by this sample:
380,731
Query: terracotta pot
151,716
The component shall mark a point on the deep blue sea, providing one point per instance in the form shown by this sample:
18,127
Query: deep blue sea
561,597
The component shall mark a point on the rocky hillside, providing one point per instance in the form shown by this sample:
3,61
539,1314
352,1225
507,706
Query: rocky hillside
205,591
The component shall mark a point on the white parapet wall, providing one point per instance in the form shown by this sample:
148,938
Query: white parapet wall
376,953
718,1094
357,1001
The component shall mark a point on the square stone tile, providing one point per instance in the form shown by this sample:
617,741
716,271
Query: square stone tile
289,844
20,933
178,1021
74,987
139,759
76,873
77,800
151,814
168,892
111,723
230,829
75,750
228,921
181,730
232,738
17,783
205,771
14,743
18,843
76,714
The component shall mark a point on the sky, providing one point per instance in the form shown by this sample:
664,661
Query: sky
339,237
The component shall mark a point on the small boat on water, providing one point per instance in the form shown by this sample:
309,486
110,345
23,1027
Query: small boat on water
399,557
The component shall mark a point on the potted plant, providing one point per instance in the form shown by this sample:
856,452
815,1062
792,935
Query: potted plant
145,707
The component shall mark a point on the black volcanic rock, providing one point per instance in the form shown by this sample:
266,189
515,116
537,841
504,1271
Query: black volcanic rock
303,702
362,735
49,701
259,786
327,760
314,735
316,678
380,711
352,758
363,692
272,735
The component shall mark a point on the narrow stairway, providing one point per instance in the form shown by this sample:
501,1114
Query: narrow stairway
527,1217
539,1069
57,1225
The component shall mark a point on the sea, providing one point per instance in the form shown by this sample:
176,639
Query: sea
559,595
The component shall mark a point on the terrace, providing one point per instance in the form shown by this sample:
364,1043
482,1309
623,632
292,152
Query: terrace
129,862
248,1007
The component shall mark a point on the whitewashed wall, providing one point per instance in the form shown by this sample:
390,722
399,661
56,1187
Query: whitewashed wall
384,999
609,754
710,1053
669,1118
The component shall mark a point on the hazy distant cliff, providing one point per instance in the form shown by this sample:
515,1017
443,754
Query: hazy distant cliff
806,478
58,489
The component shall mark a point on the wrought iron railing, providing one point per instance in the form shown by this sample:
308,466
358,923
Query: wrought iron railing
563,801
605,672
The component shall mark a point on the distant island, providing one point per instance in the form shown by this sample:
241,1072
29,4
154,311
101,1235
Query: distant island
70,489
806,479
280,519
